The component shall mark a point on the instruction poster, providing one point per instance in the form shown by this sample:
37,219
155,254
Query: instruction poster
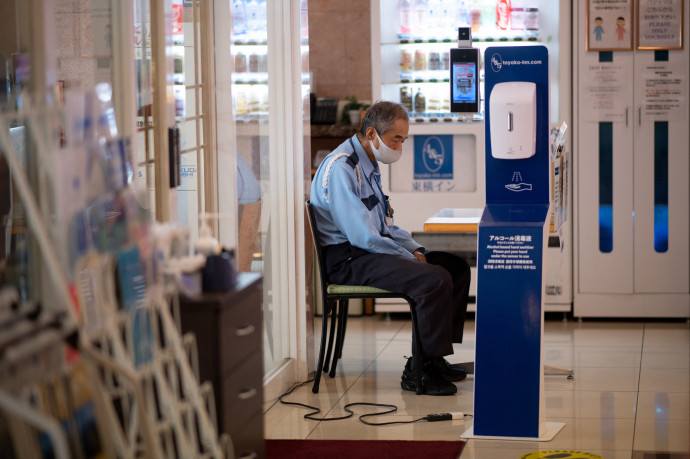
510,252
663,91
604,93
660,24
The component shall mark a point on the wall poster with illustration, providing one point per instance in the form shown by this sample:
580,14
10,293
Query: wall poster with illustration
609,25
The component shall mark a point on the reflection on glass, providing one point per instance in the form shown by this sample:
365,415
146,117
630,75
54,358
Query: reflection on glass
144,98
190,109
260,88
606,187
249,196
661,186
251,51
661,410
16,262
608,421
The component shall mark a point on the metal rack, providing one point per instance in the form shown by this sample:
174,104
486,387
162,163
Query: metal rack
152,407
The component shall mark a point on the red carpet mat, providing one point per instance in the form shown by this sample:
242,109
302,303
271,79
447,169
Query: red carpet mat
363,449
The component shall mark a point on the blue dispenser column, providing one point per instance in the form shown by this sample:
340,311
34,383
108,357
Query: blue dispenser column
512,241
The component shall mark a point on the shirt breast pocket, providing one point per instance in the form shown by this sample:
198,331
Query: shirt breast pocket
370,202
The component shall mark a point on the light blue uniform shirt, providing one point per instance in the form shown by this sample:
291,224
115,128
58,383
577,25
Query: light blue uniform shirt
353,209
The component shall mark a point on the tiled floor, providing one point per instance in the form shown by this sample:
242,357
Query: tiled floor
630,394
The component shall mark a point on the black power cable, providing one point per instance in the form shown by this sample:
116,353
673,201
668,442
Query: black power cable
390,409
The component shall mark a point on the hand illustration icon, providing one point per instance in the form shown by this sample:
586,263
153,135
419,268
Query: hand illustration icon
519,187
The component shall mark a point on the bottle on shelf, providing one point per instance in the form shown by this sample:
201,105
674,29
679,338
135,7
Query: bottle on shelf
517,15
406,98
419,19
475,12
503,14
434,60
177,18
405,64
262,19
532,20
435,22
419,101
488,18
405,19
434,104
462,13
253,63
240,63
420,60
252,8
239,19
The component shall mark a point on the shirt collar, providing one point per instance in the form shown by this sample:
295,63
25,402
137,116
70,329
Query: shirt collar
369,168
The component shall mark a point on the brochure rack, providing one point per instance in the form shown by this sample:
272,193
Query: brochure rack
144,398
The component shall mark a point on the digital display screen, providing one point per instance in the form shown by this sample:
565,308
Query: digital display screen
465,82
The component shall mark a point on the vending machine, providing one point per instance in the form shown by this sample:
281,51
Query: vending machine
442,166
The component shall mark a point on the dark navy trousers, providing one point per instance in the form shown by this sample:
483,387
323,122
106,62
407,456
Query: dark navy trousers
439,287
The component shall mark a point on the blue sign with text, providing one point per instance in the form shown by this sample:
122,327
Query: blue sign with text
433,157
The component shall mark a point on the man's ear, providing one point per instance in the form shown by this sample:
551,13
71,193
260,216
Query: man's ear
370,133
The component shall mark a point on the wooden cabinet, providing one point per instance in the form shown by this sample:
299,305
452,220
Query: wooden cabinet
228,329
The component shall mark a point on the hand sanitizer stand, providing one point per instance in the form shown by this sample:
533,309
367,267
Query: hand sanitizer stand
512,240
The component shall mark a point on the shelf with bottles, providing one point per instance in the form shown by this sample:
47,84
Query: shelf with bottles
415,63
427,103
251,102
249,24
440,117
506,37
247,78
423,21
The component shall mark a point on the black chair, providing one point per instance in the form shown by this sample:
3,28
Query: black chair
335,303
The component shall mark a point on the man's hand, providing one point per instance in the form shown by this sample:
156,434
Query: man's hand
419,255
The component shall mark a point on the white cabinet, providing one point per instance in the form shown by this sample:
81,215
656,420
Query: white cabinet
631,181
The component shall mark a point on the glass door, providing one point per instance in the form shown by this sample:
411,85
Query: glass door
269,82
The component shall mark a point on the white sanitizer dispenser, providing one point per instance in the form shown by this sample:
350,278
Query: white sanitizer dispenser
513,107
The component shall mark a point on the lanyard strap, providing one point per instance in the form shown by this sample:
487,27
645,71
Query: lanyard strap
377,178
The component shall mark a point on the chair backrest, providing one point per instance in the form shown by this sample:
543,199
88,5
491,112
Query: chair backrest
317,245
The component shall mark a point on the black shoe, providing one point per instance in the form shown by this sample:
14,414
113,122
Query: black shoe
433,382
451,372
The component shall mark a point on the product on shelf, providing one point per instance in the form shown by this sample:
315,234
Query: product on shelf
419,101
405,60
517,16
406,98
405,17
532,19
240,63
239,18
420,59
503,14
434,61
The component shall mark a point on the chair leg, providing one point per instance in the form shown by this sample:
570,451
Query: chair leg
417,353
340,336
322,348
331,335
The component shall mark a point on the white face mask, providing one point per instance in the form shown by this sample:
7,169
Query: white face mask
384,153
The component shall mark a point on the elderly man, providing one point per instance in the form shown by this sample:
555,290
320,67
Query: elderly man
363,246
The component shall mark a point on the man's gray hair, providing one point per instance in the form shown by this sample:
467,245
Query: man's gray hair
382,115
